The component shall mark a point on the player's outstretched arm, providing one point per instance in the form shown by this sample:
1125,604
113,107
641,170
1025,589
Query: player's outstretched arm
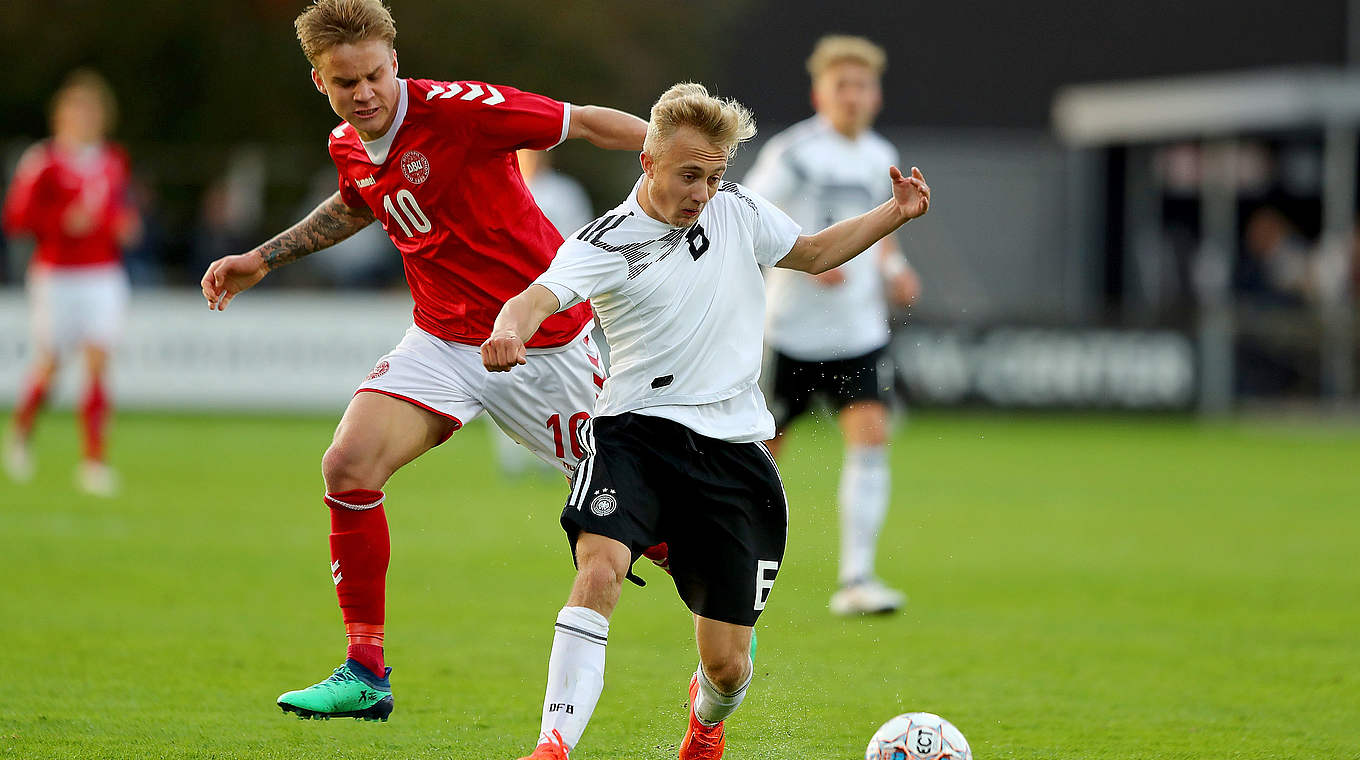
607,128
328,224
518,321
846,239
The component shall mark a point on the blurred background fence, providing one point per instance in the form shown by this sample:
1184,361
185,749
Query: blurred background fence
1177,235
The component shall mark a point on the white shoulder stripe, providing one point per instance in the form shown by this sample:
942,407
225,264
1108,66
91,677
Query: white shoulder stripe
339,131
566,125
443,92
474,92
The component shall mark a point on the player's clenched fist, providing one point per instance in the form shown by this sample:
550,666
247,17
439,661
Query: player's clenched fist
230,275
502,351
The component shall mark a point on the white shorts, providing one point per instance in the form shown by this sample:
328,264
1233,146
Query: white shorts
76,306
540,404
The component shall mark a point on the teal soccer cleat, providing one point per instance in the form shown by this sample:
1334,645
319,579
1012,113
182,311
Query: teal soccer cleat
350,692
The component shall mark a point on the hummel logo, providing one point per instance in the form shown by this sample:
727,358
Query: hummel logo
366,181
335,572
474,92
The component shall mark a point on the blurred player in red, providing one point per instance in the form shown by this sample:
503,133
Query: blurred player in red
71,194
434,163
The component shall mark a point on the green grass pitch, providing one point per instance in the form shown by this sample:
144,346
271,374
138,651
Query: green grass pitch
1092,588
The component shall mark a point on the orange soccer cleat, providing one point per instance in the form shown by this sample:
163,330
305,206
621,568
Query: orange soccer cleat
552,749
701,742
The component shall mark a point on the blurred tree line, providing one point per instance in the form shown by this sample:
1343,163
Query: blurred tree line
197,80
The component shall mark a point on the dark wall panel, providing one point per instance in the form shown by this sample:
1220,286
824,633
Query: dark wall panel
998,63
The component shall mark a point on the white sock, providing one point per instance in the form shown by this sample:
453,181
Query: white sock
575,673
864,504
712,706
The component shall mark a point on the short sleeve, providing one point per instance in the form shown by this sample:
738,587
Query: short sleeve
581,271
775,175
349,194
772,231
510,119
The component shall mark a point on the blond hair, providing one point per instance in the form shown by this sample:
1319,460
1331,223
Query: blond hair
723,121
327,23
93,82
837,48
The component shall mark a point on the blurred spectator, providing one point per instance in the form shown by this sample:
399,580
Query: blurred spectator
1279,267
143,258
71,193
1290,288
231,212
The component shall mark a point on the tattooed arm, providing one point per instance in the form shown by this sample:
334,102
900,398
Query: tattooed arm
327,225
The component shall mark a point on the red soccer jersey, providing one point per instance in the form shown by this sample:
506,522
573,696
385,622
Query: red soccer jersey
51,185
445,184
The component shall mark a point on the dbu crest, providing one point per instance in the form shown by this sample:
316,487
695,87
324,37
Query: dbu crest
415,166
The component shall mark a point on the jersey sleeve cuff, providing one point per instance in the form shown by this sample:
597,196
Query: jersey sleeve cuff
566,297
566,125
785,245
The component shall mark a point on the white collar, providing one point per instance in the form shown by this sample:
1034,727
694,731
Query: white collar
377,149
829,129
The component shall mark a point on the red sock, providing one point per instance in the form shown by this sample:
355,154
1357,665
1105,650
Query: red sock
30,402
360,550
368,655
94,416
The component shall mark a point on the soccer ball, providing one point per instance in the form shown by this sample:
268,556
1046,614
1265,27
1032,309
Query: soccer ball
918,736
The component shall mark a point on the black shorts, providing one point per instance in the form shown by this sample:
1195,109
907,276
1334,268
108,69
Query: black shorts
719,506
842,381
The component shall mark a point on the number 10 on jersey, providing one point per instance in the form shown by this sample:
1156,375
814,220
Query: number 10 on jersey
407,210
573,426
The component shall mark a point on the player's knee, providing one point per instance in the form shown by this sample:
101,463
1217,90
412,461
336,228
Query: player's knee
727,671
344,468
598,574
45,367
865,425
96,359
873,434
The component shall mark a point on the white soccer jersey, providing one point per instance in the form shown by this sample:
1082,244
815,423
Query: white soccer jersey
561,198
820,177
682,308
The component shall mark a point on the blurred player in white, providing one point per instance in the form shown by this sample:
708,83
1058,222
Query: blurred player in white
562,198
72,194
675,450
434,163
827,333
565,203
